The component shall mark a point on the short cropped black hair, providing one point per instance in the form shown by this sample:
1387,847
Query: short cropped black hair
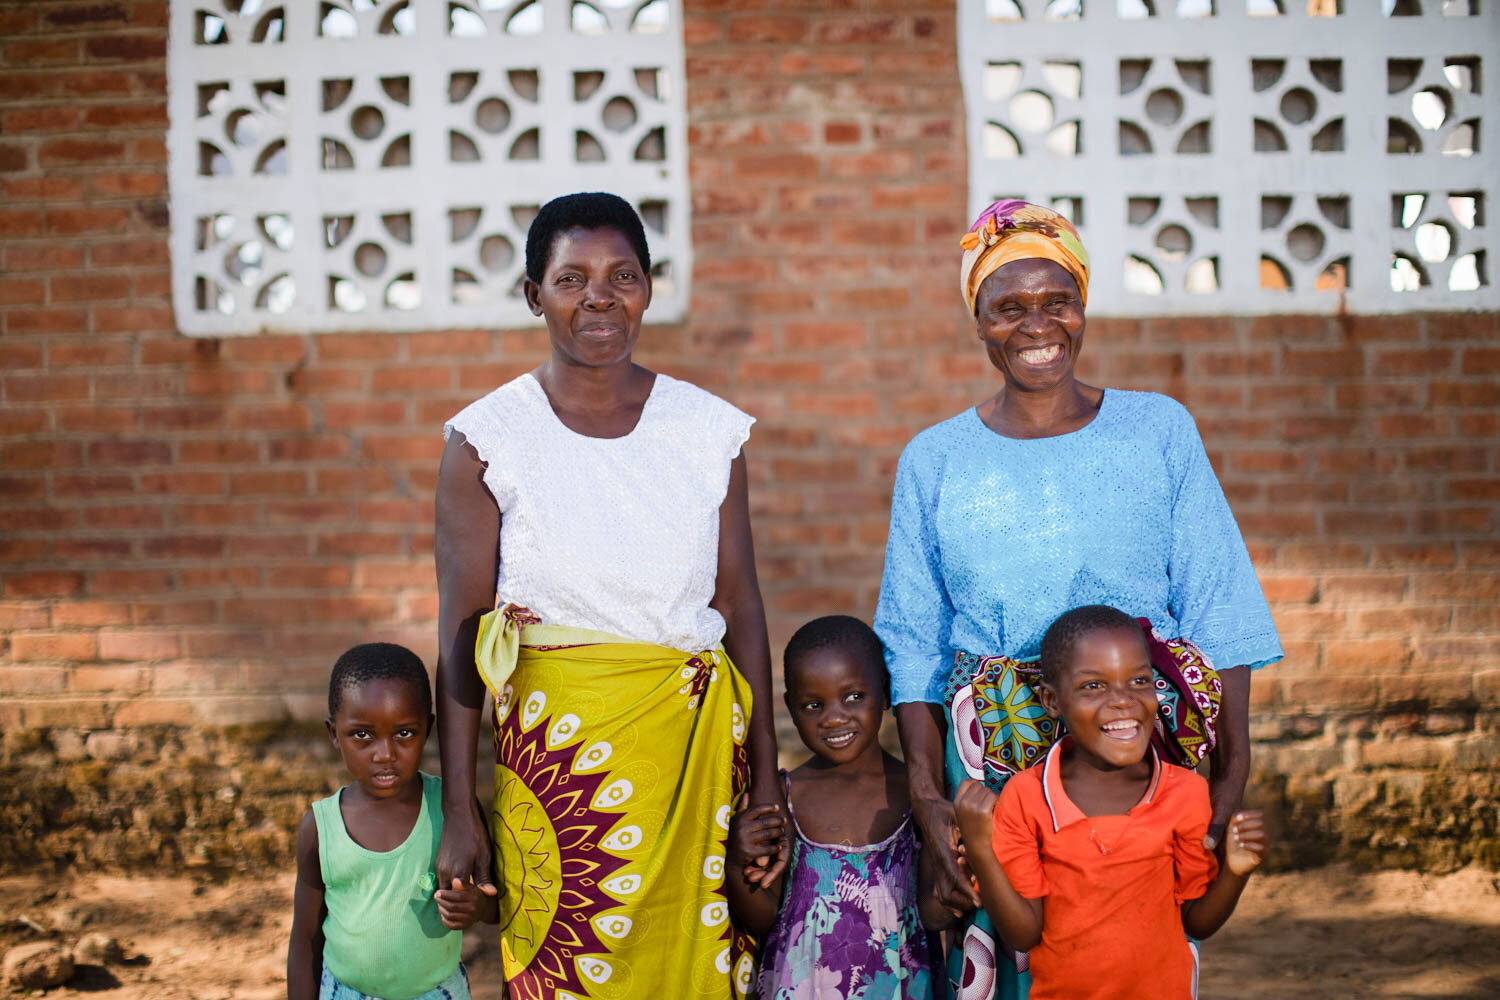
587,210
374,661
841,631
1063,634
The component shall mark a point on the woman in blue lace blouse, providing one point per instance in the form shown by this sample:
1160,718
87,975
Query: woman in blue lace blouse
1049,495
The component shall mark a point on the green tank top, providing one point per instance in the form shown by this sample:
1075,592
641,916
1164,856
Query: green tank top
383,935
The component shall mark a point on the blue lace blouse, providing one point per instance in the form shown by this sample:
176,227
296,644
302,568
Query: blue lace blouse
993,537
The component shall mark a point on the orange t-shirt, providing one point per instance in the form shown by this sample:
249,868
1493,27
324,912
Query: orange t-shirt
1114,885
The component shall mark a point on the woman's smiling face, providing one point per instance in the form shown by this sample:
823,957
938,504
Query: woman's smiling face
593,294
1029,315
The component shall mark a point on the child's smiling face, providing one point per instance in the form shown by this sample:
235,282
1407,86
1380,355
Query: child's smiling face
380,731
1106,696
836,703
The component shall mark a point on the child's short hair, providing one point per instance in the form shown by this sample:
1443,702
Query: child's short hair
372,661
842,631
1062,635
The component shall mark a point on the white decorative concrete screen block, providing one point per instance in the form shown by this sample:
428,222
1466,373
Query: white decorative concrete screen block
1247,156
374,164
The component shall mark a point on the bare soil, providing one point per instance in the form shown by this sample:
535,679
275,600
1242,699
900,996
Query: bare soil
1327,933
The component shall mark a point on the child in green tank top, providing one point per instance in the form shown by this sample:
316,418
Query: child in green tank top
369,921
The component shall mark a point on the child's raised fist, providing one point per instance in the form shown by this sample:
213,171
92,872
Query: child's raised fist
974,808
1245,842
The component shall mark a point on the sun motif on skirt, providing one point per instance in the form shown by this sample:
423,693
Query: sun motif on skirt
551,793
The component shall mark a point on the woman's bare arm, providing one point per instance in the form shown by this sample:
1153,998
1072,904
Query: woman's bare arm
737,598
935,916
1229,763
466,546
921,728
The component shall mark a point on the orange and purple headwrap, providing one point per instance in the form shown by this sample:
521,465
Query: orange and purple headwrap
1018,230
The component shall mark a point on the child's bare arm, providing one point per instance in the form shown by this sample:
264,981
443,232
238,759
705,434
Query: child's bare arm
754,833
1244,850
304,954
1018,919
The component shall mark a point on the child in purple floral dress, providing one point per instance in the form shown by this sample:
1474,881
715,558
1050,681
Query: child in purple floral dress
844,921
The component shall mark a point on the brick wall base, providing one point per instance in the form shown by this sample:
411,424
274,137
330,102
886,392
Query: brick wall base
159,799
1409,791
226,801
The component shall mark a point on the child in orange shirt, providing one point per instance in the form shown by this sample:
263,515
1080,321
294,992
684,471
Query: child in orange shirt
1093,860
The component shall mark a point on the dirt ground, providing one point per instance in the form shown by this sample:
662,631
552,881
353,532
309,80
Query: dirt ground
1329,933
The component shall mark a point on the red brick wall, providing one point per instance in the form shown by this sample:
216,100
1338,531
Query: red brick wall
193,528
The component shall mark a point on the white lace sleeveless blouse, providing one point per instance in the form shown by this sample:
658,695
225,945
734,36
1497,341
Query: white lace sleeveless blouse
621,534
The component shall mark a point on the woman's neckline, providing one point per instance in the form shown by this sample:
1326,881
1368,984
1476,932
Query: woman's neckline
656,382
1105,396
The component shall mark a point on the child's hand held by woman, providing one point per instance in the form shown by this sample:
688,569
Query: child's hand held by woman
462,906
965,870
756,836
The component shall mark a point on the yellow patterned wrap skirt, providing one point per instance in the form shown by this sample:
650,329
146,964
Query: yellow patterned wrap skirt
618,765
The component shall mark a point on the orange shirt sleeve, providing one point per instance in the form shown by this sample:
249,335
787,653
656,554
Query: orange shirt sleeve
1195,865
1017,844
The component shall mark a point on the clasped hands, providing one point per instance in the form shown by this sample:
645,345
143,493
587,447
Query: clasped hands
758,844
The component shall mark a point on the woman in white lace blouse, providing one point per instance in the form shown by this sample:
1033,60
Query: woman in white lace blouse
602,509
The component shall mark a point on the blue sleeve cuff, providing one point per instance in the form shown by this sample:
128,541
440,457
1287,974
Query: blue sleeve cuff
1247,654
917,679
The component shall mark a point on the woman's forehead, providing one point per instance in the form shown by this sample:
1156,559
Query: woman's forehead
571,245
1030,273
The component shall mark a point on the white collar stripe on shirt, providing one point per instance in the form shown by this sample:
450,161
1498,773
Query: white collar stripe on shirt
1060,807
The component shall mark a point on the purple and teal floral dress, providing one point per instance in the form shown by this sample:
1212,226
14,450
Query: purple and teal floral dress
848,927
